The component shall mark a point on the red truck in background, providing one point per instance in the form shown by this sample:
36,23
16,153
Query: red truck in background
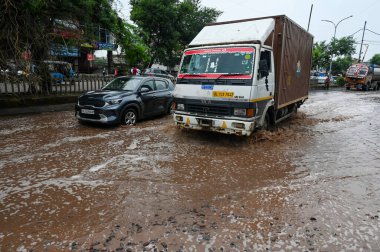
361,76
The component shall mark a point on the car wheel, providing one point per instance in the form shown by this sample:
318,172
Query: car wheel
129,117
171,108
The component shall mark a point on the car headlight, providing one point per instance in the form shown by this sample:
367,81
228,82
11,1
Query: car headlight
113,102
180,106
240,112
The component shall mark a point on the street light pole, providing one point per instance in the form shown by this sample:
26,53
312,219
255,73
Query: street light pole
335,26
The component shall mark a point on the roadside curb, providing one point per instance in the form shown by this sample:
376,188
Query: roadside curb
37,109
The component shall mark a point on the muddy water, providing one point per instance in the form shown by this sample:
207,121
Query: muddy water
311,184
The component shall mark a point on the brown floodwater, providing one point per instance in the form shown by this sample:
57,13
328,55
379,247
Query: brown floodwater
312,184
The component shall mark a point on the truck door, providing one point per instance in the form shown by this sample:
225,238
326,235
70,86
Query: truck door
266,89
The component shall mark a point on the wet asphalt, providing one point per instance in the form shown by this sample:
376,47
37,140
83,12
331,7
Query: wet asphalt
311,184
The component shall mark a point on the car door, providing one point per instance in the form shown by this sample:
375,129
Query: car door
164,95
149,99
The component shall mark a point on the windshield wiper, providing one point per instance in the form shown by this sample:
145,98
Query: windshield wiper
189,74
231,74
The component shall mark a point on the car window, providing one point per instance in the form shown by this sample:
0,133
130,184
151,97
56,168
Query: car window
161,85
157,71
149,84
126,84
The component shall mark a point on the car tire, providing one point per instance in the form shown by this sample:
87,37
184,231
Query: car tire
129,117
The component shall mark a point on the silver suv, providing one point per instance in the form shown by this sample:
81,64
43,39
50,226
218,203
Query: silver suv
159,73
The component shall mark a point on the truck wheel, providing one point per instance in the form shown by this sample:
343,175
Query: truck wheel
348,88
365,88
266,123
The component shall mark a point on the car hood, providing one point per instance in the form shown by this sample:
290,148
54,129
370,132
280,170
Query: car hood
98,98
106,94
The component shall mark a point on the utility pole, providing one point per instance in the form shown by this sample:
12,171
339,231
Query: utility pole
311,11
361,45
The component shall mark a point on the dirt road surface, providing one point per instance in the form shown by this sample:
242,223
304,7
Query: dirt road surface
313,184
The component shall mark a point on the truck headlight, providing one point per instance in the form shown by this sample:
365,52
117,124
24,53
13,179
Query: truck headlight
180,106
240,112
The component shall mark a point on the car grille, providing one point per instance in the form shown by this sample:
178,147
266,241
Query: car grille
95,103
209,110
94,117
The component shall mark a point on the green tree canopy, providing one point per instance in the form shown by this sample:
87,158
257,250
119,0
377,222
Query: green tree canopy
375,59
320,54
32,25
342,48
341,64
169,25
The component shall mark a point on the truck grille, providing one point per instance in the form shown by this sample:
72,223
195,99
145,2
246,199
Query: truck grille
208,110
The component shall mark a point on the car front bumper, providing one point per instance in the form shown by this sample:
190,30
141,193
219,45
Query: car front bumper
98,115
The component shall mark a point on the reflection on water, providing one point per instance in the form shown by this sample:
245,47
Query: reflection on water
311,184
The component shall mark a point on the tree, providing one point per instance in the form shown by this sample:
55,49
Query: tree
168,25
375,59
341,64
344,46
30,27
320,56
322,52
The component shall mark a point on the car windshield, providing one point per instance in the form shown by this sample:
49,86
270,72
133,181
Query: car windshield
231,60
123,84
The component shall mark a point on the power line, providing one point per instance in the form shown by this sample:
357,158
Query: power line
373,32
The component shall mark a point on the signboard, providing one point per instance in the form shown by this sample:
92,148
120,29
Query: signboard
105,46
90,57
61,50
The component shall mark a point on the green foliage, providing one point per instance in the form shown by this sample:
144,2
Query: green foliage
320,56
341,64
375,59
343,47
339,47
340,81
167,26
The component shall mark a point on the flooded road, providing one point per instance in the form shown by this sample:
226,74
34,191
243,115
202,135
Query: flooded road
313,184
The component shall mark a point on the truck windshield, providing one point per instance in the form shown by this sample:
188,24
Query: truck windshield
218,61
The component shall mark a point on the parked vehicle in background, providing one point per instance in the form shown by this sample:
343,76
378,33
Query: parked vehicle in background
125,100
59,70
362,77
159,73
321,78
242,75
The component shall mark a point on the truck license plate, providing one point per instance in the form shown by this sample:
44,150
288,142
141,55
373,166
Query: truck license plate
222,94
87,111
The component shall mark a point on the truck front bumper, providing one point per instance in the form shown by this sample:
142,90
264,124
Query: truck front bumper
227,126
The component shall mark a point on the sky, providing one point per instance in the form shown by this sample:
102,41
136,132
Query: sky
299,10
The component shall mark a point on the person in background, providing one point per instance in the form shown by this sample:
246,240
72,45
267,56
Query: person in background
327,82
104,72
115,72
134,71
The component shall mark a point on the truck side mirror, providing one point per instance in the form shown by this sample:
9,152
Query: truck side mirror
263,68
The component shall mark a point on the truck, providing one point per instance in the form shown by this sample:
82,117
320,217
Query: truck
239,76
362,76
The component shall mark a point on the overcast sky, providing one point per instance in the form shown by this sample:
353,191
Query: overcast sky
299,10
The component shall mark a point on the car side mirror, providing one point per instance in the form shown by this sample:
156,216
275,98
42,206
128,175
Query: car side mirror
263,68
144,90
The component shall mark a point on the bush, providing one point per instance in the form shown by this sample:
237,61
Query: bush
340,81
